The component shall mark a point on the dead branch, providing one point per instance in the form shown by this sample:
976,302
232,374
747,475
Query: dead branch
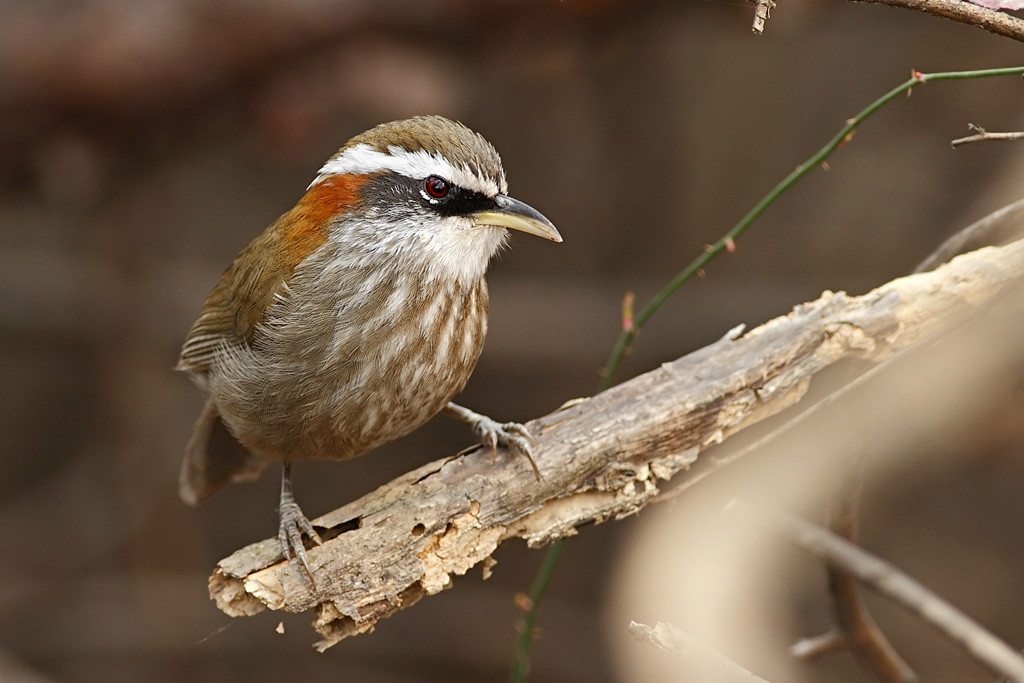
860,633
712,664
993,21
816,646
994,230
601,458
981,135
887,580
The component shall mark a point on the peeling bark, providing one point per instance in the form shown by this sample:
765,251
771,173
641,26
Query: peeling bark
601,459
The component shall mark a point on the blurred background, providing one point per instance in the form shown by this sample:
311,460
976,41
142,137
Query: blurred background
143,144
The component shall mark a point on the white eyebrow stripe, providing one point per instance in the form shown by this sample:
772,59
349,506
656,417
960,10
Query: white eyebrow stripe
363,158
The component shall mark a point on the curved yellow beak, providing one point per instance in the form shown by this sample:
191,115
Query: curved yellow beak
516,215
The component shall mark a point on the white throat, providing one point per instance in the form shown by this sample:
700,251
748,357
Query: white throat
460,250
443,248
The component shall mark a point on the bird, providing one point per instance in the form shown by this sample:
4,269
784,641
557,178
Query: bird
356,316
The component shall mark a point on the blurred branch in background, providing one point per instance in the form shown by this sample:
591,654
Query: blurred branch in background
881,577
715,666
939,391
854,625
762,11
854,629
991,20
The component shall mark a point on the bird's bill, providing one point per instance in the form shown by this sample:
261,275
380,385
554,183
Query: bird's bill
516,215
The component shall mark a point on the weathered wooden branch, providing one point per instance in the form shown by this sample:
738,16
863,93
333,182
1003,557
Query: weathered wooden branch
993,21
601,458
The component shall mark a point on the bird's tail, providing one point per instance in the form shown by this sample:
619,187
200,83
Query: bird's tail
213,458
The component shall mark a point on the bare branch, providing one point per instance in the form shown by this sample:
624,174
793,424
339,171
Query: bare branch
890,582
863,637
601,458
996,229
713,664
816,646
981,135
1000,23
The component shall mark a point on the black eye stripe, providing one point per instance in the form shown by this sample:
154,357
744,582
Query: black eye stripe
448,199
396,190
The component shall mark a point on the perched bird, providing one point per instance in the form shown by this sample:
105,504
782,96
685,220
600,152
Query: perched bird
357,315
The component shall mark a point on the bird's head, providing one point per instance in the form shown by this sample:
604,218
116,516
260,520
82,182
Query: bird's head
427,188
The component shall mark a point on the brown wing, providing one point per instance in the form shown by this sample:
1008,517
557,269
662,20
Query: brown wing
213,457
247,288
230,315
238,302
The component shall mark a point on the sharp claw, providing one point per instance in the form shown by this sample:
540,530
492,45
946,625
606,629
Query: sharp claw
294,525
516,437
511,435
305,565
536,470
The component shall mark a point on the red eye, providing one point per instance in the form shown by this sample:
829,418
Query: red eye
436,187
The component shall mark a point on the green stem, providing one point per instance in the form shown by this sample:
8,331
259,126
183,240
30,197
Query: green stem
521,660
627,336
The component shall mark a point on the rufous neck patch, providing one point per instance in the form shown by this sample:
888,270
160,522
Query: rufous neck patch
307,228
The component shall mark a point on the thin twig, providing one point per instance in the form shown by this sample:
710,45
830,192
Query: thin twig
981,135
890,582
815,646
682,645
729,239
863,637
1000,23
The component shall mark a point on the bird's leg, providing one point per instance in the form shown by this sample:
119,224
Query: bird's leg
294,524
511,435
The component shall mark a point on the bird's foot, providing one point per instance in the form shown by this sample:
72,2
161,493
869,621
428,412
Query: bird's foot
490,432
294,525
